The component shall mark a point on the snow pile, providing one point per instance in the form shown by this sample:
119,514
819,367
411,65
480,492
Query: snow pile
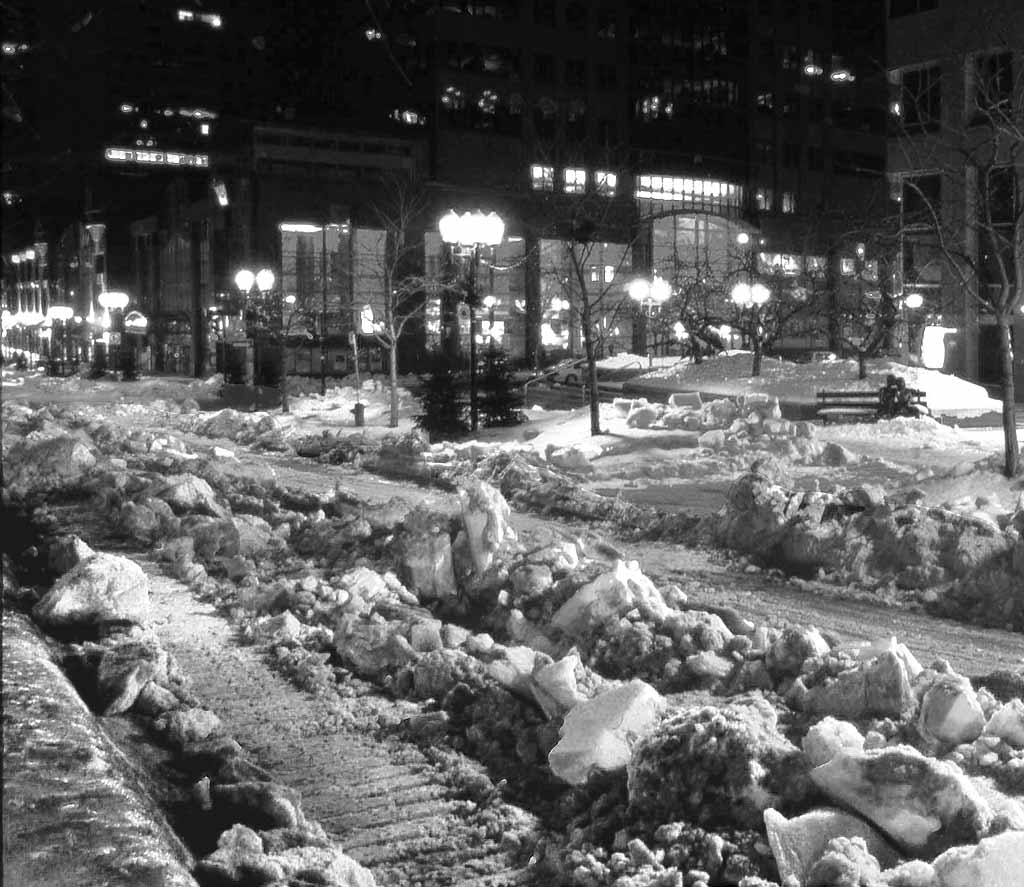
862,535
535,642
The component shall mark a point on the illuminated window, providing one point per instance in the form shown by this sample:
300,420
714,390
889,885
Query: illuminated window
778,263
575,181
605,181
706,193
453,99
788,202
763,199
488,101
204,129
919,99
542,177
372,34
186,15
409,117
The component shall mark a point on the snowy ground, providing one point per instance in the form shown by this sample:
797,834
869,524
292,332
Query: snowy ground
655,466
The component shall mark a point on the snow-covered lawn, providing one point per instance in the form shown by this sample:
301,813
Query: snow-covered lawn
728,375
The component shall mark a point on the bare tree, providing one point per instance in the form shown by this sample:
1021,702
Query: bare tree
866,306
779,302
963,196
698,297
592,283
399,266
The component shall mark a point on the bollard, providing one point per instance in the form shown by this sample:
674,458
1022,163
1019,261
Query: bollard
359,411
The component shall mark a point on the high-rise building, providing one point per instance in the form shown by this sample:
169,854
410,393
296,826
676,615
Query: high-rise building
707,119
662,131
115,102
956,163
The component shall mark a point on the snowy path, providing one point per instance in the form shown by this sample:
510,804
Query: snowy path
392,810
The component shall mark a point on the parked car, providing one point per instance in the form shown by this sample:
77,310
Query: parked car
567,372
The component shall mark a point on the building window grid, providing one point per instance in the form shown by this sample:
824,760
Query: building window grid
542,177
710,194
575,180
605,182
898,8
991,82
919,96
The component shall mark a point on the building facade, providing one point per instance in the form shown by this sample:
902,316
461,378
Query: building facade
956,166
653,136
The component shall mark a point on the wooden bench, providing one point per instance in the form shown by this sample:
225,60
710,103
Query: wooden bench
867,406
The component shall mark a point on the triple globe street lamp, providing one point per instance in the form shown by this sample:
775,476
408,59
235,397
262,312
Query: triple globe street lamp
650,295
261,281
467,234
114,304
59,315
751,298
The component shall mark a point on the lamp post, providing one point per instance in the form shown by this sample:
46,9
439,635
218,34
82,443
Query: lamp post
911,302
750,299
650,295
263,282
135,325
115,303
59,316
467,234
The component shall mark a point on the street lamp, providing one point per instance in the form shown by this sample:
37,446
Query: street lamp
59,315
750,299
263,282
466,234
114,302
135,325
650,295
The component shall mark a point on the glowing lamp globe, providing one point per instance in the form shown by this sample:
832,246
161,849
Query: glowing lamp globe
244,280
914,300
660,290
264,280
449,227
136,322
759,294
741,295
113,300
60,312
491,229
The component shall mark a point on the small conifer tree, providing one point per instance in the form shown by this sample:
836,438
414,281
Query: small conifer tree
441,400
500,402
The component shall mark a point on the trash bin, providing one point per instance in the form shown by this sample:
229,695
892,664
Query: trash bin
359,411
